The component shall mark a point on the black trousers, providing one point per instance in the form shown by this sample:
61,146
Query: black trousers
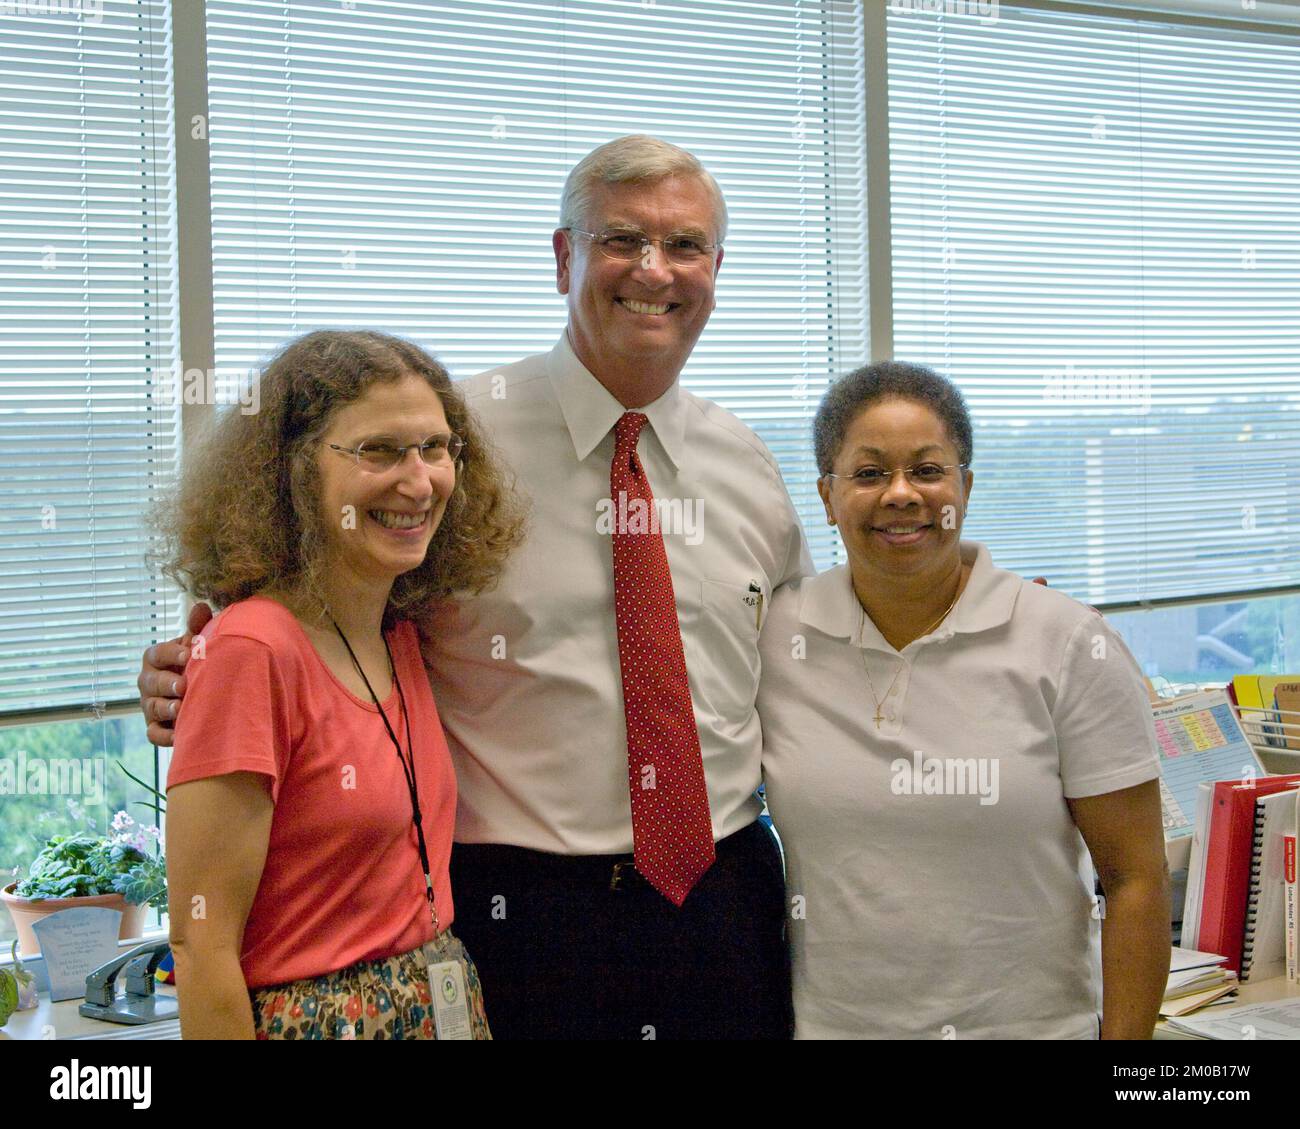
562,955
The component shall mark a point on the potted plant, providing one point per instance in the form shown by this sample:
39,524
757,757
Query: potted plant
117,871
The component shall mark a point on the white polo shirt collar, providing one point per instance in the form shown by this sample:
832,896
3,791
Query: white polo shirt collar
590,412
828,603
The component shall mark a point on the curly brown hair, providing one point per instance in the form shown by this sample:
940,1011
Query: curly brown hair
246,516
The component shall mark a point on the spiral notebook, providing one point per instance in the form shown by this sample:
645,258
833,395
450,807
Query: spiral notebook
1263,947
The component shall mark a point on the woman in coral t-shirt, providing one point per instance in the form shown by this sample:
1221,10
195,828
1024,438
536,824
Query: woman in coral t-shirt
311,796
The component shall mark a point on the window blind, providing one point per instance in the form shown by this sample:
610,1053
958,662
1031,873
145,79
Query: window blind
1096,233
87,332
399,165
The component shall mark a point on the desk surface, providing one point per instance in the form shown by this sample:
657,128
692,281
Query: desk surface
62,1021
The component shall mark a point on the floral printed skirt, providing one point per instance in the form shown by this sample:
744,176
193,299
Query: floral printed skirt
372,999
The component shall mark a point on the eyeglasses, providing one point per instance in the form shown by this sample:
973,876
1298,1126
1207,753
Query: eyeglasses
626,245
872,478
378,455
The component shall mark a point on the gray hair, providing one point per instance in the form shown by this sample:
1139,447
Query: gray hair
849,396
634,158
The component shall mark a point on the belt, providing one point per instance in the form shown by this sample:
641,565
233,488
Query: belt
617,873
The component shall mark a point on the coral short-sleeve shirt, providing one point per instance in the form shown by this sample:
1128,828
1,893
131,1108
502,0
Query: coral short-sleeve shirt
342,881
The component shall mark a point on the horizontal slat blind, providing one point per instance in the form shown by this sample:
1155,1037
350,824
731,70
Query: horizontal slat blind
87,333
1096,233
399,165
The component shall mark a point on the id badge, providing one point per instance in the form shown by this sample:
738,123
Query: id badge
447,988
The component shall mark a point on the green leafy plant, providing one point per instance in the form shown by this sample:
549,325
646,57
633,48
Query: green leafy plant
81,865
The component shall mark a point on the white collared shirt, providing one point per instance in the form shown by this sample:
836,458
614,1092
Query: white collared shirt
527,676
940,887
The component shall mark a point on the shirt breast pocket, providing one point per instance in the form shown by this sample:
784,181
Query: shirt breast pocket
725,659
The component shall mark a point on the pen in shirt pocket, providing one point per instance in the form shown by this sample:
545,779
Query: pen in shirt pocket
757,589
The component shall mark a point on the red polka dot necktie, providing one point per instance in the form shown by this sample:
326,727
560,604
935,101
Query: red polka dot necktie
672,835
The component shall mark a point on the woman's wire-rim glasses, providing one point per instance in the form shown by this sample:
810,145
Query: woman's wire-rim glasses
919,474
377,455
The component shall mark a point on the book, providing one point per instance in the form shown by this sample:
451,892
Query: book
1288,876
1229,848
1263,948
1196,868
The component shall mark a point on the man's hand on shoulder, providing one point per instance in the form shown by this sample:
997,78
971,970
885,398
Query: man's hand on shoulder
162,678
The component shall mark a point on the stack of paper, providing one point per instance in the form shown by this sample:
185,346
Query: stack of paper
1195,979
1279,1019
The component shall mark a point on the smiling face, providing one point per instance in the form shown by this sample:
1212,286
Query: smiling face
904,531
393,514
634,324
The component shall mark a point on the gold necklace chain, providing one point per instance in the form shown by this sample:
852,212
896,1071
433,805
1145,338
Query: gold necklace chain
878,717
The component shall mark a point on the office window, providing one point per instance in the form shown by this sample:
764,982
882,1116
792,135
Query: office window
1096,233
63,778
1190,644
87,342
399,165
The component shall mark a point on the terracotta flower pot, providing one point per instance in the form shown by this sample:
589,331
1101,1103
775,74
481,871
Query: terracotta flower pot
24,911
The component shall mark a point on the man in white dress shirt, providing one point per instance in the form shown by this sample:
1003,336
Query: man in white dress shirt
537,683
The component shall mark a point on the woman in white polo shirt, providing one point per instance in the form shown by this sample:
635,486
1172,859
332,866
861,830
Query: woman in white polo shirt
941,740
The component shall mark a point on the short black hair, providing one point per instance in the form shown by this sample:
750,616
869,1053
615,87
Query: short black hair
889,380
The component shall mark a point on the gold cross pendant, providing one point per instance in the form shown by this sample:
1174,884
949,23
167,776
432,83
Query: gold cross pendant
878,718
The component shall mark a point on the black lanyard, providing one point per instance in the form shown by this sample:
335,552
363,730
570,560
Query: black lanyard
407,759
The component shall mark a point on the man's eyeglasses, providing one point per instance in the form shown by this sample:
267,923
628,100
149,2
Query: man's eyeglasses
922,474
379,455
626,245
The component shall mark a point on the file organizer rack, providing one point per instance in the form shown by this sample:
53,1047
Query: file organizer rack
1274,734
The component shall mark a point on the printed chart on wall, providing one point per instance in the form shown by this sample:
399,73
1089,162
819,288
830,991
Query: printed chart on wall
1199,740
